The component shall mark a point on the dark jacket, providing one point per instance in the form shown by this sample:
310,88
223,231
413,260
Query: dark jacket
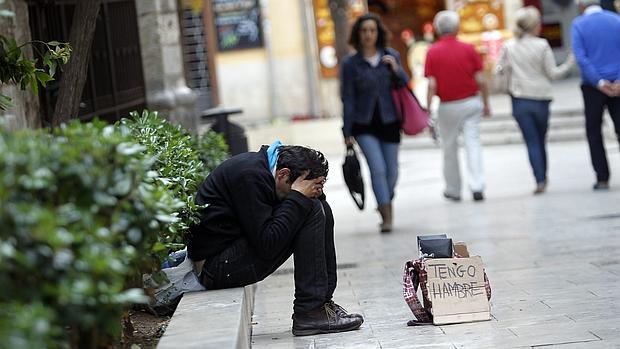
243,204
362,86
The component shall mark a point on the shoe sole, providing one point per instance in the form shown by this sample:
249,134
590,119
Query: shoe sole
452,198
318,331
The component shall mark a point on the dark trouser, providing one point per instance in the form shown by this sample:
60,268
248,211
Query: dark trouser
314,257
533,119
594,102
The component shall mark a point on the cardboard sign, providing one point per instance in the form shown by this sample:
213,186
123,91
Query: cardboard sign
456,289
460,248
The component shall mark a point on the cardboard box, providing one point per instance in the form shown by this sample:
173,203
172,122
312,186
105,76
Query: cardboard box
457,291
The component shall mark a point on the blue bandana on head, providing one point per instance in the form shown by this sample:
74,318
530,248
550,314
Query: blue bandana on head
272,155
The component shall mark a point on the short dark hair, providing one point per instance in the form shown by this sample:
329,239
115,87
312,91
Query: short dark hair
383,35
299,159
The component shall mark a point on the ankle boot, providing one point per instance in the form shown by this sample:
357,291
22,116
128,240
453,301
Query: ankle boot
323,320
386,215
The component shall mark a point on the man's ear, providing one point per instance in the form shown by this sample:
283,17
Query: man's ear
283,174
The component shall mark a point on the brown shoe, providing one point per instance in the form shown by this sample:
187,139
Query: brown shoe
386,217
342,312
540,188
323,320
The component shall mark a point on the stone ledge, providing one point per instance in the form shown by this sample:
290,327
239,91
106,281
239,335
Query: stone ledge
212,319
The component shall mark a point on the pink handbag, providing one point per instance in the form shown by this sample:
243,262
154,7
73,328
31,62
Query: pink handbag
414,119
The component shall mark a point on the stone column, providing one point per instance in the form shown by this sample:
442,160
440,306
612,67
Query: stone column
25,110
162,62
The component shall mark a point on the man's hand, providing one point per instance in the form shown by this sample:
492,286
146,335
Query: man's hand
310,188
615,86
609,88
486,111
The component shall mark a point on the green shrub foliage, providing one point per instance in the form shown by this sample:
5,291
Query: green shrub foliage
182,162
83,212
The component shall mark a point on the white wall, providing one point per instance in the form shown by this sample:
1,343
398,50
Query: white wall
268,83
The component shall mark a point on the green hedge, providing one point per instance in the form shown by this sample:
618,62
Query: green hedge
182,162
83,212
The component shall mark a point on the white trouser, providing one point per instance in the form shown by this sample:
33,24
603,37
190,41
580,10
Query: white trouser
453,117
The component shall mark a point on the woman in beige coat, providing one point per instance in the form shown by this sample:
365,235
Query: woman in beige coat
528,64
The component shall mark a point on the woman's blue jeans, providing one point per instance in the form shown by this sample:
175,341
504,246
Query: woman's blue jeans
533,119
382,159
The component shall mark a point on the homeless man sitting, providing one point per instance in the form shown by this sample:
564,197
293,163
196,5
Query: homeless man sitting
261,208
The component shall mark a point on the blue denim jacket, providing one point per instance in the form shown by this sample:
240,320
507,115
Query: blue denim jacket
362,86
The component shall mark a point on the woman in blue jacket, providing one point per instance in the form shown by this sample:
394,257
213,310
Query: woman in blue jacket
370,118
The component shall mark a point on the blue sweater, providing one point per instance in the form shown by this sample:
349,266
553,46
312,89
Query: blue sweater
596,45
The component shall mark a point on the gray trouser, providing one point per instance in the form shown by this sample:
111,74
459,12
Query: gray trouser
453,118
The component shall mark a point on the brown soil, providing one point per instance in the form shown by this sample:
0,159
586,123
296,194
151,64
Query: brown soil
144,329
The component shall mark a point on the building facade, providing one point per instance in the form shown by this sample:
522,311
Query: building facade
292,73
274,59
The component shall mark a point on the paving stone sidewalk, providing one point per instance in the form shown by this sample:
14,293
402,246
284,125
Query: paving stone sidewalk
552,260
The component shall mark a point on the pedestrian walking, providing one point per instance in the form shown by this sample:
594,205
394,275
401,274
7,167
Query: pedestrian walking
528,64
261,208
369,115
454,71
596,44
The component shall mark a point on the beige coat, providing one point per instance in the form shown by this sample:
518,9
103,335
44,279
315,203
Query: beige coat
530,66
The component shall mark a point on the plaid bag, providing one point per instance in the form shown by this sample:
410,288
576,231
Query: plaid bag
414,275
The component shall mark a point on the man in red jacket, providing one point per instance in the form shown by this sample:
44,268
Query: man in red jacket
454,71
262,207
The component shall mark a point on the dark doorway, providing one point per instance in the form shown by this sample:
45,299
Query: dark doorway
115,83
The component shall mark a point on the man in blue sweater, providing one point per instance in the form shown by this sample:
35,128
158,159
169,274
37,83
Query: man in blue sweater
596,45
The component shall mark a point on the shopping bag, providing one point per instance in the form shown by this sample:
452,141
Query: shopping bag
353,176
180,278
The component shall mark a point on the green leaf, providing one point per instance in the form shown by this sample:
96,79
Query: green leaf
158,247
5,102
43,77
13,51
34,86
52,67
53,43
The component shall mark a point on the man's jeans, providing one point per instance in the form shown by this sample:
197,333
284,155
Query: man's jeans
533,119
453,118
314,258
382,159
594,102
